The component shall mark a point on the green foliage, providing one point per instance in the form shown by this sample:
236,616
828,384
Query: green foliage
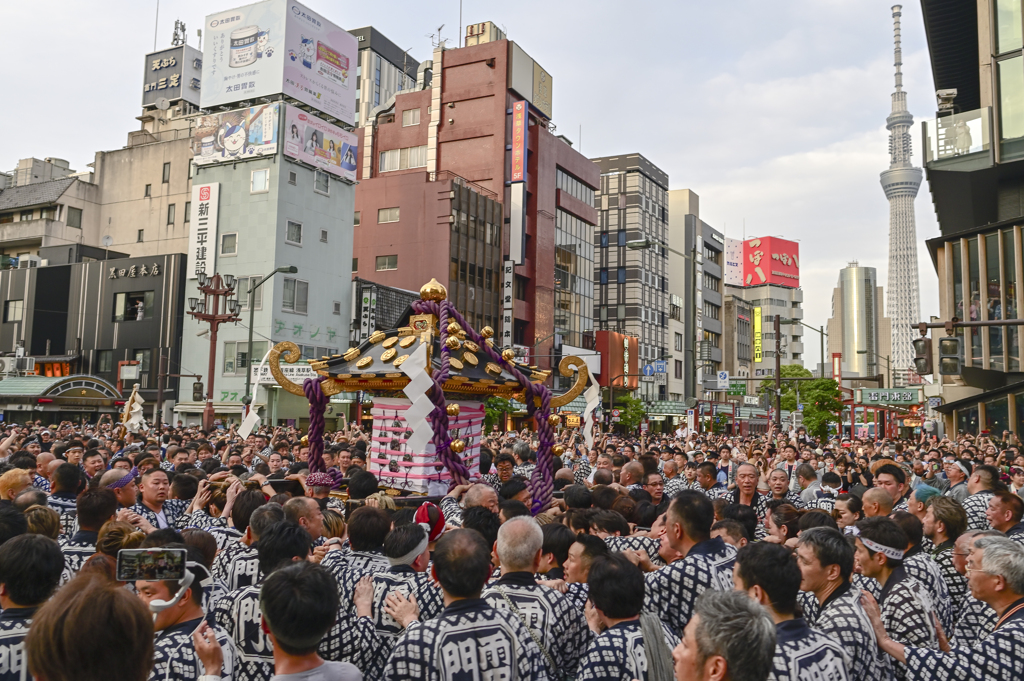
495,409
789,388
823,404
718,424
632,412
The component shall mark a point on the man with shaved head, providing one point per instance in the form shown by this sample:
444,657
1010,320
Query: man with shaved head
877,502
41,477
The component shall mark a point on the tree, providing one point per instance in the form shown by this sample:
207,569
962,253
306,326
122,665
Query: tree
631,412
823,404
495,409
789,388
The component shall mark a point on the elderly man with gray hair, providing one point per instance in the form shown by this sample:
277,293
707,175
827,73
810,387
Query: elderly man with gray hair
729,638
478,494
995,572
551,619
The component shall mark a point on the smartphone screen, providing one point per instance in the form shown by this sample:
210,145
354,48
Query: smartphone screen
150,564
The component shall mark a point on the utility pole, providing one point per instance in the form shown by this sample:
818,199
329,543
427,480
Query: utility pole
213,289
158,415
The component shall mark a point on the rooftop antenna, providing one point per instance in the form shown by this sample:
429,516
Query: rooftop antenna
460,23
156,23
437,42
180,34
199,32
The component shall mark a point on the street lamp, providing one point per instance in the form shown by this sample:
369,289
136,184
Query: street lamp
213,289
287,269
820,331
641,244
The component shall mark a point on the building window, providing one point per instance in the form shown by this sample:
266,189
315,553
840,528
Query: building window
104,361
143,357
296,296
167,173
170,214
229,244
403,159
621,275
604,239
25,215
387,215
1008,27
679,367
260,181
323,235
337,307
355,218
679,342
188,211
387,262
139,236
133,307
6,218
410,117
48,213
293,233
149,191
355,264
293,178
13,310
242,289
574,187
236,356
322,183
604,276
622,237
620,311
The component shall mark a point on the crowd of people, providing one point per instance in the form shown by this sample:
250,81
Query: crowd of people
676,556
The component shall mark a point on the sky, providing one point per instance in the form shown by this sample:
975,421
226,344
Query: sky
773,113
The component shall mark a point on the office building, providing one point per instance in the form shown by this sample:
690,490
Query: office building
631,283
434,200
384,69
974,162
858,328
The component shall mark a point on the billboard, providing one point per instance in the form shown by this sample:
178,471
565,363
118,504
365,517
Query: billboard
733,270
236,135
318,143
202,233
279,47
770,260
529,79
173,74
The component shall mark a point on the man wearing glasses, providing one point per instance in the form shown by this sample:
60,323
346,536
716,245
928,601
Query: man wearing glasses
995,572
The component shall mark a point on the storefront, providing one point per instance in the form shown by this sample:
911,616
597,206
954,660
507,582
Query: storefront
52,400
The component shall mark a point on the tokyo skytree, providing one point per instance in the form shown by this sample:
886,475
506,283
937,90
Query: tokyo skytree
901,182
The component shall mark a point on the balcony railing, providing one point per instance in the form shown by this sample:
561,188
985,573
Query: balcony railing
961,141
444,175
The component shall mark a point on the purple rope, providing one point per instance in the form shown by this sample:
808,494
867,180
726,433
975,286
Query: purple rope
315,437
541,482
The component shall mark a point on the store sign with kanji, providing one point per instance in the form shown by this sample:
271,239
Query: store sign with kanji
894,396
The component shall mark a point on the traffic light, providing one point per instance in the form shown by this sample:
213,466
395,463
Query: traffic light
923,356
949,356
197,392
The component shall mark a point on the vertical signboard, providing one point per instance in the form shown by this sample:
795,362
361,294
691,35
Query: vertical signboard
507,300
519,131
837,367
202,233
733,274
758,351
368,313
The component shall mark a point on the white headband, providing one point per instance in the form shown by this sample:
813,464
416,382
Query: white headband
887,551
962,467
408,558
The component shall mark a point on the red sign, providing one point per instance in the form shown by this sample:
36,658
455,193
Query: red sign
620,356
770,260
519,126
204,193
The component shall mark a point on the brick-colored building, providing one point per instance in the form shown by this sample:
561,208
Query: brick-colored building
433,199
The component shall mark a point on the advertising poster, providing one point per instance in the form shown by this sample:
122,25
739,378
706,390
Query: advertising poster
236,135
733,262
770,260
328,147
279,47
320,68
